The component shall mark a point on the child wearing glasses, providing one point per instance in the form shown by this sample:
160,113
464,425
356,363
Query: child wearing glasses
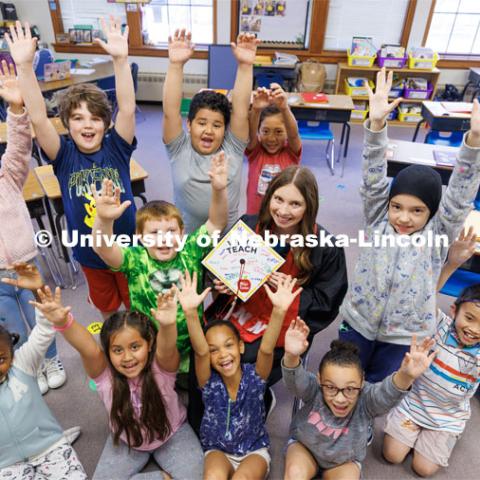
329,433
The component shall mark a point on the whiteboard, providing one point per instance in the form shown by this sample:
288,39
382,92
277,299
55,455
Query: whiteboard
288,24
89,12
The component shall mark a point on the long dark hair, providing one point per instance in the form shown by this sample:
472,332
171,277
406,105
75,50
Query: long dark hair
153,419
305,181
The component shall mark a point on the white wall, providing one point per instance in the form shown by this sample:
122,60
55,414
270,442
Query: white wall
36,12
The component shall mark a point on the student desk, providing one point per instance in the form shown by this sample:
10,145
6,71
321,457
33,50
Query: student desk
437,116
336,110
56,122
102,71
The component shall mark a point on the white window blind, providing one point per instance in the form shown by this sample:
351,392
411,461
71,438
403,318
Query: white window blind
89,12
380,19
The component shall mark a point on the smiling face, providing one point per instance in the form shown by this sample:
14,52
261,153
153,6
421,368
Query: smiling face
287,207
407,214
128,352
272,133
467,322
86,129
225,350
342,377
6,359
207,130
161,230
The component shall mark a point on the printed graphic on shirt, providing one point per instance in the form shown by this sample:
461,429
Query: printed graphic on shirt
267,174
79,186
163,280
314,418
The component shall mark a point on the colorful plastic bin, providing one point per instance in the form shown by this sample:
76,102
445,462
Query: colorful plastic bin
360,60
392,115
359,114
391,62
359,91
409,117
422,63
395,93
418,94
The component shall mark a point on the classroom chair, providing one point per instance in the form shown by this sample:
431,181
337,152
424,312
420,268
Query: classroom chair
445,139
320,131
265,79
459,280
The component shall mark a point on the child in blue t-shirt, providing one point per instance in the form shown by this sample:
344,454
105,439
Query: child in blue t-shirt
92,152
232,432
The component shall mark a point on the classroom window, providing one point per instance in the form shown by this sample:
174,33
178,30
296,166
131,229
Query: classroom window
89,12
455,26
162,17
383,20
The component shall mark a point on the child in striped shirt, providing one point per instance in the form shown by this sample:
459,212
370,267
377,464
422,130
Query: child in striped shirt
431,418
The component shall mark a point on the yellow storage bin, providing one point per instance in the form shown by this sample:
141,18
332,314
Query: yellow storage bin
360,60
359,114
422,63
359,91
409,117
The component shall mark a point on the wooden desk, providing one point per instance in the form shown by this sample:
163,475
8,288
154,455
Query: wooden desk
102,71
56,122
408,153
337,110
440,119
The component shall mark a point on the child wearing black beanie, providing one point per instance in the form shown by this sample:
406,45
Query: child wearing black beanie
392,294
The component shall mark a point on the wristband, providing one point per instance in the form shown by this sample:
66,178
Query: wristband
69,323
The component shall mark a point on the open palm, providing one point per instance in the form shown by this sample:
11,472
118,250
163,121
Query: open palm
107,202
284,296
296,337
117,42
166,312
180,47
218,172
187,296
9,89
245,49
419,358
51,306
21,44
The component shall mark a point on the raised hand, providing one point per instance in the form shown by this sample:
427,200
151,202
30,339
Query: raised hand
245,49
166,312
279,96
51,306
21,44
261,98
188,297
474,134
296,338
180,47
378,101
28,277
416,361
218,172
284,296
9,89
463,248
108,201
117,42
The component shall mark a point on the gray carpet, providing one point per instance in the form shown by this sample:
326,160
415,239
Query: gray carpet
340,212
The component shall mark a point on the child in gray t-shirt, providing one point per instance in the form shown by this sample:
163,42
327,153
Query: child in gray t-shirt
330,431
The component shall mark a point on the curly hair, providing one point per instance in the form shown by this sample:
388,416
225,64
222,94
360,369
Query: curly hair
212,101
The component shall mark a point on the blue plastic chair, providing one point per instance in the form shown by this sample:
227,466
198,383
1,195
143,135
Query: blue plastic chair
320,131
452,139
265,79
459,280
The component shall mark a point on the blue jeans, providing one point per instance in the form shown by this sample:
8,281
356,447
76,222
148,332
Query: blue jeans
379,359
16,314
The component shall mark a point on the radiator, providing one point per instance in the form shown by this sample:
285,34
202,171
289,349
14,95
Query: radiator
150,85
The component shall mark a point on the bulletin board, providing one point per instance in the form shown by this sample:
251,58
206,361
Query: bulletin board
278,23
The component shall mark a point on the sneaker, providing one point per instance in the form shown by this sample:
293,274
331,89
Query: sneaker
42,382
369,434
273,402
71,434
55,372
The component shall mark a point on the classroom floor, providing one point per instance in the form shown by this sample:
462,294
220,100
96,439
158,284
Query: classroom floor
340,212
